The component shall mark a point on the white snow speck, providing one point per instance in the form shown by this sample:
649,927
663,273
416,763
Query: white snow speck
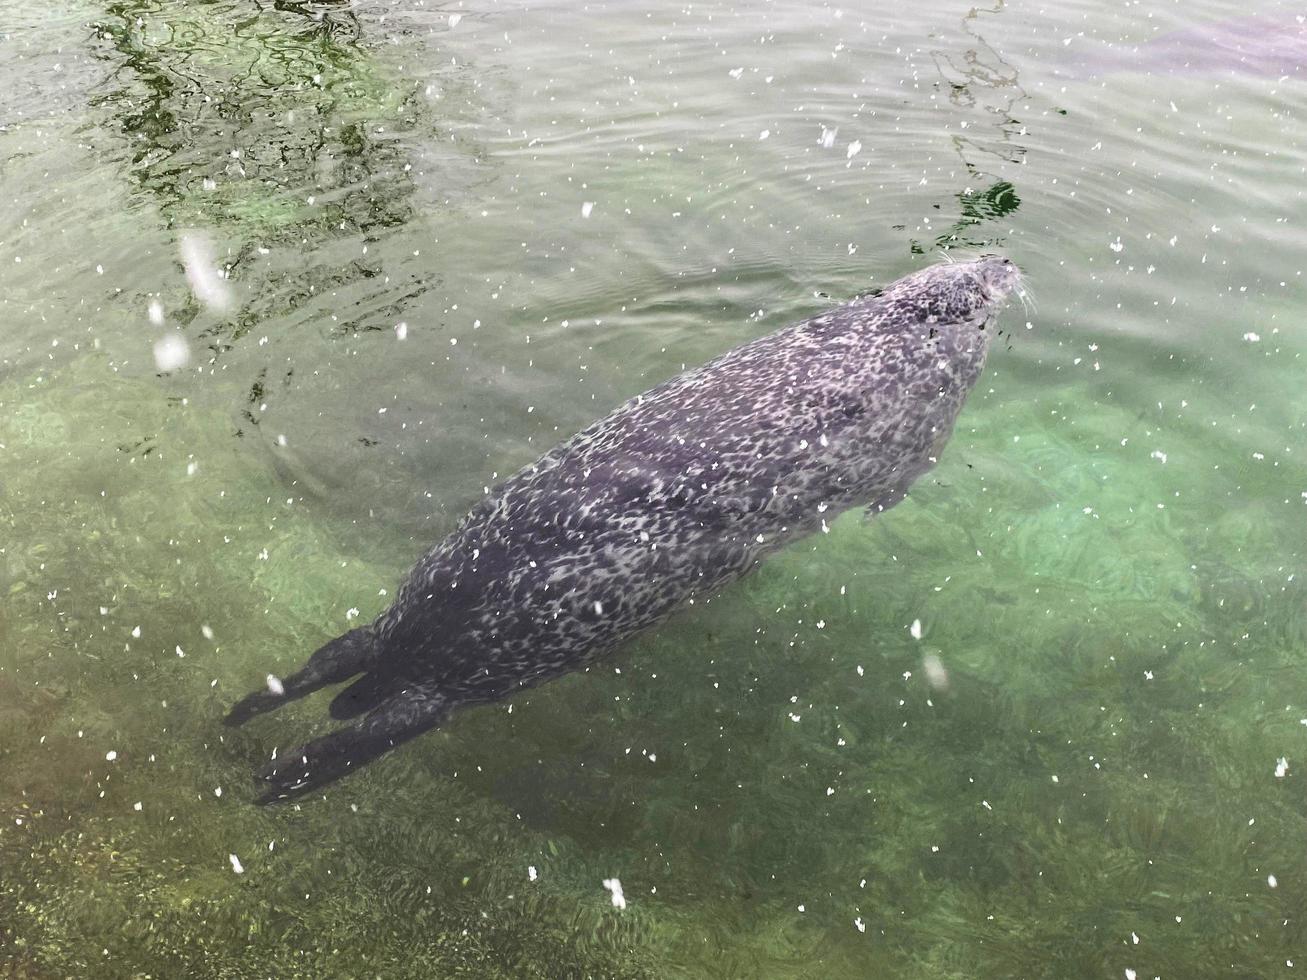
736,72
531,872
915,629
1129,974
136,632
137,806
171,352
236,864
854,149
1251,337
110,755
614,885
454,19
586,208
1270,880
275,685
351,613
156,313
764,134
401,330
1281,767
828,137
1158,455
862,926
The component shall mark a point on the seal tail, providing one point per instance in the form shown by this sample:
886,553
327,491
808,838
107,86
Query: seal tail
338,660
404,716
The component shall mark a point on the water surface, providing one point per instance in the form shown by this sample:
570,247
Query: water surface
564,203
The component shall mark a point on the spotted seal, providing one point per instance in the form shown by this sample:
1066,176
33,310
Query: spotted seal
678,492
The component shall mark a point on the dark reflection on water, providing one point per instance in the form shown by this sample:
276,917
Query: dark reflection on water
979,78
270,126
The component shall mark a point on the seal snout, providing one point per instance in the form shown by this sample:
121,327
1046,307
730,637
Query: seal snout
999,276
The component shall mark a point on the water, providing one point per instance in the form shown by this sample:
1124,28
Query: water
564,203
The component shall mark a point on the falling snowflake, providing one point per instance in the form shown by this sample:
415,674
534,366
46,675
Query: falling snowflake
171,352
614,886
207,283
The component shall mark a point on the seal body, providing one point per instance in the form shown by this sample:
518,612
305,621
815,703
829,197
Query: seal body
680,491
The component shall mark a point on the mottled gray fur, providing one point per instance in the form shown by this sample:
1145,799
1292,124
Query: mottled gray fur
678,492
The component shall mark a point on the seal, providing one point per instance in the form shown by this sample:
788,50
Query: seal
680,491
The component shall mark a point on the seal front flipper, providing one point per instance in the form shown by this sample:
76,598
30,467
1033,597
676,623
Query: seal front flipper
408,714
338,660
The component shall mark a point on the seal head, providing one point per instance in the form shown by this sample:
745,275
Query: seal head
956,292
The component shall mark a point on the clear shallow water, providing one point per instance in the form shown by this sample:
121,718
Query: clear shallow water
1108,560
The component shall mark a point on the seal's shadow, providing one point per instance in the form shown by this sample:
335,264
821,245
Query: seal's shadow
668,724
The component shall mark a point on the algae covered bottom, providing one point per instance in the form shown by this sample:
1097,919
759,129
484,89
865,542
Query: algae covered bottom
1042,719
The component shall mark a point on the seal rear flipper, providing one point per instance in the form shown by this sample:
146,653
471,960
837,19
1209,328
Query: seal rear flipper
408,714
338,660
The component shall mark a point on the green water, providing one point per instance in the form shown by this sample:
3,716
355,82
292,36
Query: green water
1109,561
